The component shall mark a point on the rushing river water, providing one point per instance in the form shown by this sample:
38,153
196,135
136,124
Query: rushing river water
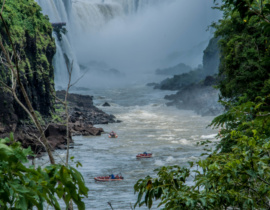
148,125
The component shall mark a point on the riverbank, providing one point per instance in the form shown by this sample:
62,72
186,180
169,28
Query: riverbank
83,116
200,97
148,125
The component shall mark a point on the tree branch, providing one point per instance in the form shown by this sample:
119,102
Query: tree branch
2,7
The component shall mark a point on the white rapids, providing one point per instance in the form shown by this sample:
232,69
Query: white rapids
148,125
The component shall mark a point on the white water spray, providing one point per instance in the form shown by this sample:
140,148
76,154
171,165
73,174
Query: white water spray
130,36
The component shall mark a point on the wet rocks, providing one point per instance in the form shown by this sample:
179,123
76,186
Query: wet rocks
83,110
83,115
55,134
106,104
79,128
174,70
200,98
195,91
8,117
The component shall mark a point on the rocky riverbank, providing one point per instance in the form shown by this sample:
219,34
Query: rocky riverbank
194,94
83,116
195,88
31,33
202,98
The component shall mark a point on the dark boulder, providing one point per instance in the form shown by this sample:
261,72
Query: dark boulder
56,135
79,128
202,99
174,70
209,81
82,109
106,104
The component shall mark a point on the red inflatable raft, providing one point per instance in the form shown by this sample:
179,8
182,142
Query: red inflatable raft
113,136
147,155
108,179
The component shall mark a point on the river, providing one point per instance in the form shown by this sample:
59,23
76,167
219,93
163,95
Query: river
147,125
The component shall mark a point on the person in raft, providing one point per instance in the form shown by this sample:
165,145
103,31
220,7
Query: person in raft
145,153
112,176
112,134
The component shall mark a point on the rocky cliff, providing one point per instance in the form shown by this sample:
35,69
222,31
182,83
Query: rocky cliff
200,97
31,33
195,88
188,76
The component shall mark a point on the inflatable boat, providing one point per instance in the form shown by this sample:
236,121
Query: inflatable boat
115,136
144,155
108,178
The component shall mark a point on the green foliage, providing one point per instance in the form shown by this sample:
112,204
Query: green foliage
31,33
237,179
57,115
251,8
40,119
244,52
23,187
245,117
236,175
26,17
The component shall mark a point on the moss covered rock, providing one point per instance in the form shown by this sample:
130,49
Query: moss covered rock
31,34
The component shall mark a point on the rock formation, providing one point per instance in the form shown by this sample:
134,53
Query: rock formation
31,34
195,88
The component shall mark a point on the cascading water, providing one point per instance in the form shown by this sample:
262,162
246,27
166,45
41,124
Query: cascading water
58,11
80,16
131,36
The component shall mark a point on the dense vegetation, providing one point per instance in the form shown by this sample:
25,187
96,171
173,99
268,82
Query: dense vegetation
237,173
23,187
26,72
31,33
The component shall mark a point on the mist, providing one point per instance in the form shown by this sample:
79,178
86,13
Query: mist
158,35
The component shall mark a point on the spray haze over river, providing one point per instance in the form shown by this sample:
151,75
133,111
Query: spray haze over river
148,125
130,36
117,45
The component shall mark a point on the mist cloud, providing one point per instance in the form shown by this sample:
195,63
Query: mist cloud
157,36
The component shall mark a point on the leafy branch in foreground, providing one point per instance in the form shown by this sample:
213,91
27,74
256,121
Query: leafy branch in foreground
236,175
236,179
23,187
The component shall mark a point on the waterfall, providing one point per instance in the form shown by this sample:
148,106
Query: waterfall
81,17
129,36
59,11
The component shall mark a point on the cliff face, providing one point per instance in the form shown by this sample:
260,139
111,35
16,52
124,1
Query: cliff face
211,57
209,68
31,34
195,88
